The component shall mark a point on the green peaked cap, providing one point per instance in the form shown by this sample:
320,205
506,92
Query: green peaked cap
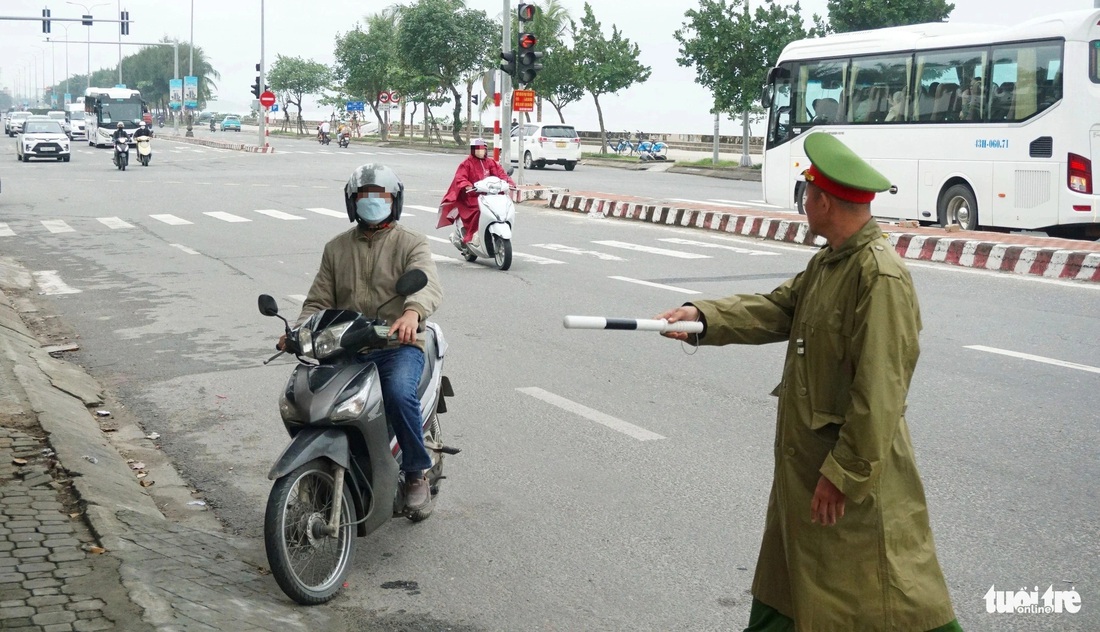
841,165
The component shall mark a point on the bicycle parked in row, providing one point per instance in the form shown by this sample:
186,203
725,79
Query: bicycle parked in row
651,150
622,146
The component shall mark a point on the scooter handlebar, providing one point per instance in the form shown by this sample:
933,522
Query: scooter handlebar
632,324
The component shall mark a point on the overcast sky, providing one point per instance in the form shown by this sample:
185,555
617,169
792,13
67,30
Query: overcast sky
229,32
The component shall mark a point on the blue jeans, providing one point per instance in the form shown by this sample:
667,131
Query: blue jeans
399,369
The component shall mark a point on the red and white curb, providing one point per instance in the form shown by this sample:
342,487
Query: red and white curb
1051,263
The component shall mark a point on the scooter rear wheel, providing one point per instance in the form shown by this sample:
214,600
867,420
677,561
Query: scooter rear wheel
307,564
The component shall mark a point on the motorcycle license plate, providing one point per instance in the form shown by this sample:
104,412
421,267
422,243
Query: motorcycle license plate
562,145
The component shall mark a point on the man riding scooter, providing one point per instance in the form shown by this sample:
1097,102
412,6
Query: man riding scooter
119,134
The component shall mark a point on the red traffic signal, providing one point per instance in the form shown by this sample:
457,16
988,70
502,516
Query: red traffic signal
527,41
526,12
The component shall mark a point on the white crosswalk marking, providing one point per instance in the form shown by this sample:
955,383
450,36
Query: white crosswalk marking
57,226
270,212
707,244
114,222
227,217
577,251
329,212
656,285
542,261
5,231
189,251
49,281
298,298
170,219
651,250
365,153
429,209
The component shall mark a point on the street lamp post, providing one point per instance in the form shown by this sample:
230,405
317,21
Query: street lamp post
190,72
40,56
66,27
88,11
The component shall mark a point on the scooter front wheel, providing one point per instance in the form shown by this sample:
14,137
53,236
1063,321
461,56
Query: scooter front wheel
502,251
308,564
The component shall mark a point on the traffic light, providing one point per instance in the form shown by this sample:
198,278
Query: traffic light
124,22
509,64
256,88
46,21
525,12
86,20
527,61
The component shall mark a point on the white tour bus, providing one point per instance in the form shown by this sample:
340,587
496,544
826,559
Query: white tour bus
979,126
105,108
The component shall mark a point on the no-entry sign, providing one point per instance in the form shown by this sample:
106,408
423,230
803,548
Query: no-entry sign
267,99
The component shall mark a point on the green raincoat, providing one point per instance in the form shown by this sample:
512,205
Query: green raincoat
851,322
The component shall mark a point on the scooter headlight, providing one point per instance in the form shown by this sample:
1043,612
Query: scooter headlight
353,406
305,342
328,341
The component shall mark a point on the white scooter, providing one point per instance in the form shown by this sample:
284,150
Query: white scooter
144,149
498,214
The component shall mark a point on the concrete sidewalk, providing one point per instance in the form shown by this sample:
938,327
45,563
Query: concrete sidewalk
83,545
1006,252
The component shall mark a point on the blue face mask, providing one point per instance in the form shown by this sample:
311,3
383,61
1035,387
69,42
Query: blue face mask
372,210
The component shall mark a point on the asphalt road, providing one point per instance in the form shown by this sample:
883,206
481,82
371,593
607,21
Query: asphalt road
549,519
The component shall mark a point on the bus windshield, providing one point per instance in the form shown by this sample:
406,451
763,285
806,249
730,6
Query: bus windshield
119,111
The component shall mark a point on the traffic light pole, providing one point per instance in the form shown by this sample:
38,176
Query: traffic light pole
261,114
506,89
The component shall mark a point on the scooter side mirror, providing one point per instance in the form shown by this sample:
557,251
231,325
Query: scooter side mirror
410,283
268,307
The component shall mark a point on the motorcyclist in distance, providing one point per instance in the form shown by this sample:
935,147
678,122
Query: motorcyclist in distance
460,200
119,134
143,130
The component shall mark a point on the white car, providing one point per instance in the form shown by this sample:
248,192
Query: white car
545,144
76,129
42,138
15,122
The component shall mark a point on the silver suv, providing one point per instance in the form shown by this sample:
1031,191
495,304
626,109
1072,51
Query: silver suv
545,144
15,122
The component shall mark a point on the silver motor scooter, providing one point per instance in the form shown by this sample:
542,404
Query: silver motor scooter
498,216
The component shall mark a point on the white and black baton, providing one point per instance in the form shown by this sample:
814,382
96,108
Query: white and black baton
632,324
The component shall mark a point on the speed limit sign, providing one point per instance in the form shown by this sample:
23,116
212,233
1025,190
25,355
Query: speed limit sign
383,97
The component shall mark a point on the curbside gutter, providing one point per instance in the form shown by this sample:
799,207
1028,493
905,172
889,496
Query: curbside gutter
1049,262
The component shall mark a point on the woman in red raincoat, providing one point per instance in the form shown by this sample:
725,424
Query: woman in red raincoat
459,203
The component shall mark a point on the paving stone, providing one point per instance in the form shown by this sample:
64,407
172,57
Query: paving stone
53,607
59,627
81,605
35,551
40,479
46,582
38,592
19,625
51,528
47,600
20,510
45,505
92,625
56,542
75,571
36,567
66,556
15,613
48,618
12,603
11,578
26,537
6,546
13,591
16,525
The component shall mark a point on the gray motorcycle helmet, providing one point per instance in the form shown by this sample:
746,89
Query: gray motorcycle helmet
377,175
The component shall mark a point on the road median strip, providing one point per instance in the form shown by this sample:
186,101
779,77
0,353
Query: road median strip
1064,261
218,144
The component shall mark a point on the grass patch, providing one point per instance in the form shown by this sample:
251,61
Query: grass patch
722,164
610,156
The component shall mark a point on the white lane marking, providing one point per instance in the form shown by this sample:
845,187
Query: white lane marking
542,261
577,251
5,231
329,212
656,285
270,212
526,257
232,184
226,217
733,203
679,254
625,427
114,222
299,298
290,186
1035,358
185,249
301,152
57,226
707,244
365,153
749,202
170,219
49,281
428,209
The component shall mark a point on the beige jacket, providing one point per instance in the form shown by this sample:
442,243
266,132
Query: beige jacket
359,272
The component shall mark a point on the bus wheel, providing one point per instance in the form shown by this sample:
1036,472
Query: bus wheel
958,206
799,191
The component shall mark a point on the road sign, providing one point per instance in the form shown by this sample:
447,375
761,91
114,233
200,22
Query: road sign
267,99
523,101
355,106
383,97
274,107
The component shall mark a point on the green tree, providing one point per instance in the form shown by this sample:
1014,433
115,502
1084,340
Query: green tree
861,15
605,65
295,78
732,52
366,60
446,41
